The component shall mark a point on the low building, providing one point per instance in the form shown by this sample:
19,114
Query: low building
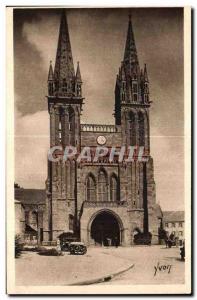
174,222
29,207
19,218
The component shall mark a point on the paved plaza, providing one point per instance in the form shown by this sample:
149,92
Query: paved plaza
152,265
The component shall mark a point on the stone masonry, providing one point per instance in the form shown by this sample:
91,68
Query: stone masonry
78,194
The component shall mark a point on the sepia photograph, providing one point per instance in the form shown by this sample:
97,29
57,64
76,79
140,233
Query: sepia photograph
98,190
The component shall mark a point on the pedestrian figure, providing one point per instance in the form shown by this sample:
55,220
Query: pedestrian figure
166,239
58,245
116,242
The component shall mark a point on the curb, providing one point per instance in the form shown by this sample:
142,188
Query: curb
103,278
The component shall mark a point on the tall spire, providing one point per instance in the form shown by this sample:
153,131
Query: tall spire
130,54
64,68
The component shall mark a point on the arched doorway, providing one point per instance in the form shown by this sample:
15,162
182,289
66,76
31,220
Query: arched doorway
105,229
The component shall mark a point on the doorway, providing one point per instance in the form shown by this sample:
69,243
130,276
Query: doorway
105,230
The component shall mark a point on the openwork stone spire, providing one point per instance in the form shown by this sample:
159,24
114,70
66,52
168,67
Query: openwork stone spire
63,82
64,69
132,85
130,55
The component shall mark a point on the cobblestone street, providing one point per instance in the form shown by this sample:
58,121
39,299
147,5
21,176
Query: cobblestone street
145,260
33,269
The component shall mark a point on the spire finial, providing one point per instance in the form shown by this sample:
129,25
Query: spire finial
78,73
145,73
50,74
130,16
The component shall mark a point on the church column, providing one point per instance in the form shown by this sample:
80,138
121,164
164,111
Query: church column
66,127
140,204
68,174
146,131
63,179
52,126
136,129
124,127
129,180
56,126
123,183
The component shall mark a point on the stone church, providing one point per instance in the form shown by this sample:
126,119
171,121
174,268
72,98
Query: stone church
99,201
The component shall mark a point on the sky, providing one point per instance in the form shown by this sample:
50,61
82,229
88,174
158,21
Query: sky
98,39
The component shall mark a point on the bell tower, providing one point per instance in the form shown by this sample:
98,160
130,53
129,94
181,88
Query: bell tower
64,106
132,97
132,104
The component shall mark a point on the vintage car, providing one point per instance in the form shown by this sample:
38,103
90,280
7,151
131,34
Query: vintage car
65,240
77,248
142,238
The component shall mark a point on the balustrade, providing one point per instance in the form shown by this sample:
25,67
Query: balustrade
104,204
98,128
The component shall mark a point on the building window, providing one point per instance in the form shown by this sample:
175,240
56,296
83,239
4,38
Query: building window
146,98
180,224
180,233
71,222
146,88
102,186
78,89
166,224
141,129
132,129
91,188
114,188
135,97
71,126
173,224
135,88
34,219
60,131
64,85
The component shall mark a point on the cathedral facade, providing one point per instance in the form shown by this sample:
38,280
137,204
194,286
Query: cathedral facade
103,200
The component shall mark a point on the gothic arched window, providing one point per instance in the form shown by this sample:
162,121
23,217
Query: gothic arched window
113,188
132,129
78,89
141,129
102,186
34,219
71,125
91,188
60,130
64,85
